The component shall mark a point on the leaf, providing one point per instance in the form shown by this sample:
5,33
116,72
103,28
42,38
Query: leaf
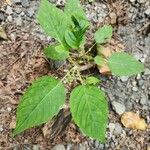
75,37
40,103
53,21
123,64
89,110
133,121
2,34
92,80
103,34
73,8
99,60
56,52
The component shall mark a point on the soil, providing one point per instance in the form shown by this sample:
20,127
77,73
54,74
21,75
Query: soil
22,61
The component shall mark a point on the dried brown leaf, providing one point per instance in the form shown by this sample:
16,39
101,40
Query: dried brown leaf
133,121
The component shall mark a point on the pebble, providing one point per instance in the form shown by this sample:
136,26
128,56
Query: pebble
143,100
30,12
141,1
135,89
147,11
58,147
18,21
18,10
124,78
118,129
25,3
111,127
17,1
9,109
147,71
132,1
9,18
2,17
118,107
36,147
9,10
1,128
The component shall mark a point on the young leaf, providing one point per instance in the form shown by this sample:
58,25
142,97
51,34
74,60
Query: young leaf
75,37
40,103
73,8
56,52
122,64
53,21
89,110
103,34
92,80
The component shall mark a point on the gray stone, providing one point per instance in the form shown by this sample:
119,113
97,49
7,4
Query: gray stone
18,10
147,11
9,18
111,127
135,89
1,128
147,71
25,3
30,12
118,129
58,147
124,78
17,1
9,10
36,147
141,1
118,107
143,100
18,21
132,1
2,17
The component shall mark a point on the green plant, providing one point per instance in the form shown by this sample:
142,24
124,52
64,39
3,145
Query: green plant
88,104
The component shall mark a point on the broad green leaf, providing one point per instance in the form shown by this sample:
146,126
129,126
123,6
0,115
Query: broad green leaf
40,103
89,110
56,52
53,21
123,64
92,80
99,60
73,8
103,34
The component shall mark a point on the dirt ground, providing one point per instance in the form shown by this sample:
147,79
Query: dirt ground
22,61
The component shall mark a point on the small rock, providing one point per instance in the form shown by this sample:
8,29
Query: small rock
25,3
124,78
2,18
118,107
16,1
9,18
36,147
9,109
9,10
118,129
18,21
147,71
141,1
147,11
111,127
132,1
143,100
1,128
18,10
58,147
135,89
30,12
